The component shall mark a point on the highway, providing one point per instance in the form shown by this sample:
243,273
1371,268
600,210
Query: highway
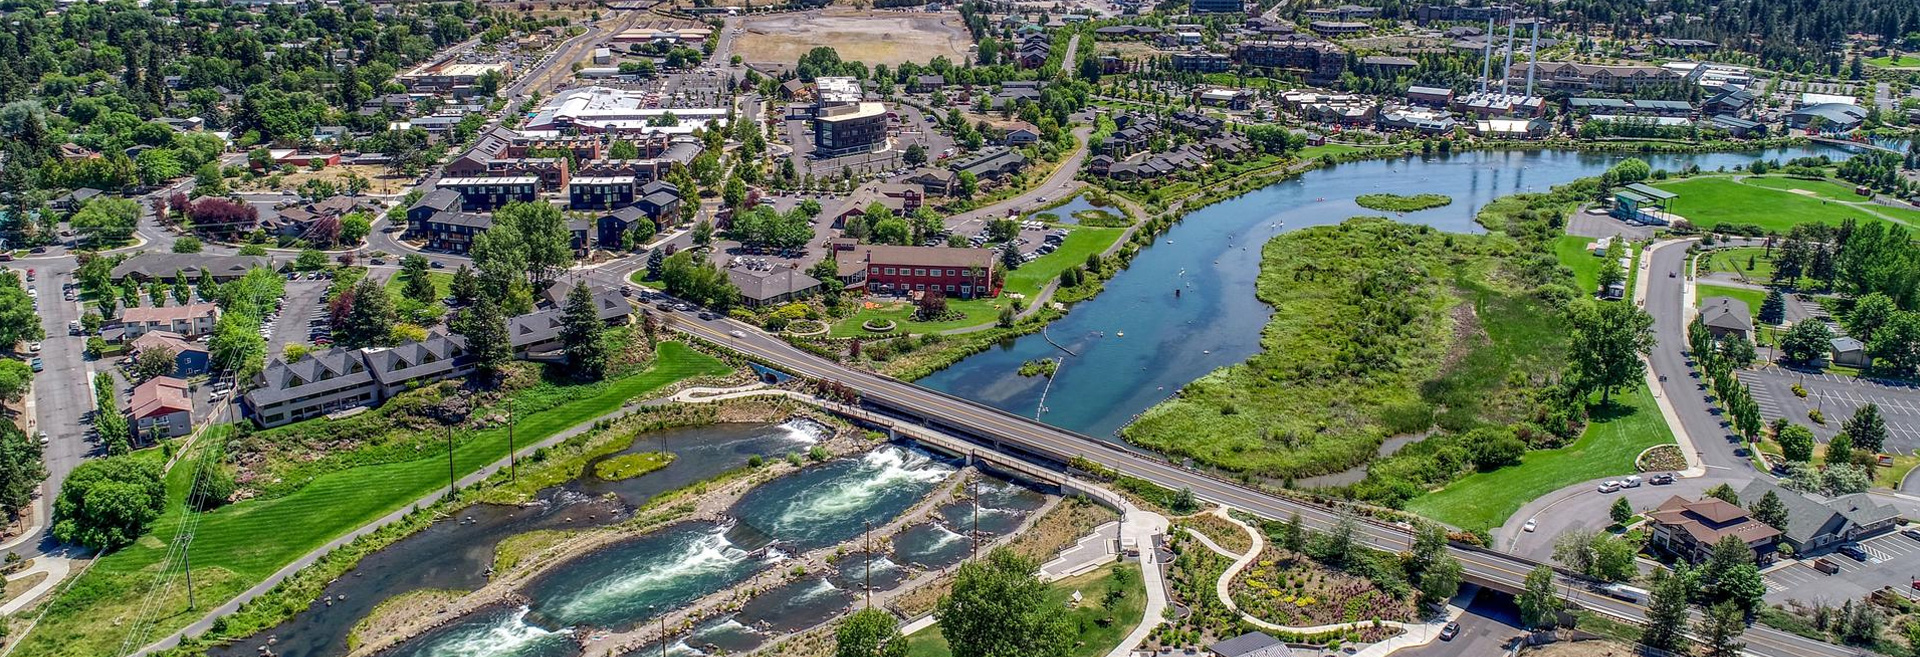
1502,571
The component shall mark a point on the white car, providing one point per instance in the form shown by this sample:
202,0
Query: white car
736,333
1609,487
1531,525
35,347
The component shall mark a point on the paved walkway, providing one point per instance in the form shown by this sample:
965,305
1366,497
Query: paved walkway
56,569
1092,551
1412,634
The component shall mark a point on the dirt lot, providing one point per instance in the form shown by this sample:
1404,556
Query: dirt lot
875,37
1583,649
379,179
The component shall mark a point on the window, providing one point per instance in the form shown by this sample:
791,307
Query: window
919,272
889,271
920,286
949,288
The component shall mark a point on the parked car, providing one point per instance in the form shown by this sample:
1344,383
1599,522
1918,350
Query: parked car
1661,479
1850,549
37,366
1912,533
1631,482
1451,630
1609,487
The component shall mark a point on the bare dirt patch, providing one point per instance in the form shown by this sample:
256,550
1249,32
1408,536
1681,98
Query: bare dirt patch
877,37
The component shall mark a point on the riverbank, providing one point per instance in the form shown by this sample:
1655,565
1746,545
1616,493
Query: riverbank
707,500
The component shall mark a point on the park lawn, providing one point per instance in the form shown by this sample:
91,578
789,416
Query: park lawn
241,544
1025,281
1825,189
1311,152
1614,436
1571,250
1905,61
442,284
1752,297
1709,201
1092,638
639,278
1734,261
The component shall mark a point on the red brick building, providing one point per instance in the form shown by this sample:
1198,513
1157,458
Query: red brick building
961,273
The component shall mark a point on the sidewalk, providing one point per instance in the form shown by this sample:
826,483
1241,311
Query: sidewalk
56,569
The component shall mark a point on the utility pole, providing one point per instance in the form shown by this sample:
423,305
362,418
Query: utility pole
186,555
976,515
513,465
450,476
869,567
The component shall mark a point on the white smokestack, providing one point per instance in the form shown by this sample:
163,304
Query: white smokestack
1486,64
1533,55
1506,70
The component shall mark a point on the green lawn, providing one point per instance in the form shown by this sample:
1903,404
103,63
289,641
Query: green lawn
1825,189
442,284
239,545
1712,200
1905,61
1614,436
1752,297
639,278
1734,261
1311,152
1025,281
1100,628
1571,250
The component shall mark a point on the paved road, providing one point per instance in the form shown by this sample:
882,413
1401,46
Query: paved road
1058,185
1023,436
1485,628
61,394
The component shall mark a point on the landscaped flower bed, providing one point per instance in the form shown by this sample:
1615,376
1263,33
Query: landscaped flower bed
878,326
1662,457
1291,589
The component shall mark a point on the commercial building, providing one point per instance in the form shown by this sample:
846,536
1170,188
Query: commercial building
1828,118
1200,61
595,109
600,192
1727,317
847,129
161,408
537,334
1218,6
1577,77
459,80
1689,530
339,379
1338,28
1814,525
964,273
774,285
1320,60
156,266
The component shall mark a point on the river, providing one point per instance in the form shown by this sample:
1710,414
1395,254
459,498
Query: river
1137,343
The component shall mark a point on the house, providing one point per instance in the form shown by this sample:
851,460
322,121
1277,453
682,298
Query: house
435,202
1251,644
1845,350
155,266
1021,134
1201,61
318,384
397,369
190,320
775,285
1727,317
453,231
1238,99
600,192
992,164
963,273
1815,525
72,201
189,357
1689,530
161,408
927,83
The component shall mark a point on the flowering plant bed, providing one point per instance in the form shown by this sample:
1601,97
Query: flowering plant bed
1290,589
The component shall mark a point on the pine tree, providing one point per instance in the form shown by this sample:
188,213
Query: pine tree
1771,510
1866,428
1720,628
486,331
580,332
1773,310
1621,512
1666,612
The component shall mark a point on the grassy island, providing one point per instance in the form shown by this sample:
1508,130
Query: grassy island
628,466
1402,202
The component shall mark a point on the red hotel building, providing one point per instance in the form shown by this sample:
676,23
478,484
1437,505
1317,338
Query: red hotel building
962,273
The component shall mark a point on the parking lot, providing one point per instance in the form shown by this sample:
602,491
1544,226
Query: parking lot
304,297
1894,560
1836,396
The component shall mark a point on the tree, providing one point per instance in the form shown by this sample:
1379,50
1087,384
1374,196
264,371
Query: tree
580,335
998,608
1771,510
1807,341
236,345
486,331
417,281
1773,309
1730,575
1866,428
154,362
1293,535
182,291
1839,449
187,244
465,288
21,470
310,260
1724,493
703,233
1869,314
1539,607
15,377
370,317
1796,443
19,322
1720,628
1609,340
1010,257
1611,272
1435,572
932,305
1736,352
1621,512
1666,612
1896,346
107,503
869,632
916,155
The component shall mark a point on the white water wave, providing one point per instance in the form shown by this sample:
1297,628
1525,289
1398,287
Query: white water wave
879,471
707,554
802,431
503,639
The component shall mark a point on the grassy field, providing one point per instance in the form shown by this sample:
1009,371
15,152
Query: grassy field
1711,201
1734,261
1614,436
1311,152
442,284
228,551
1826,189
1093,638
889,38
1571,250
1026,281
1752,297
1905,61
